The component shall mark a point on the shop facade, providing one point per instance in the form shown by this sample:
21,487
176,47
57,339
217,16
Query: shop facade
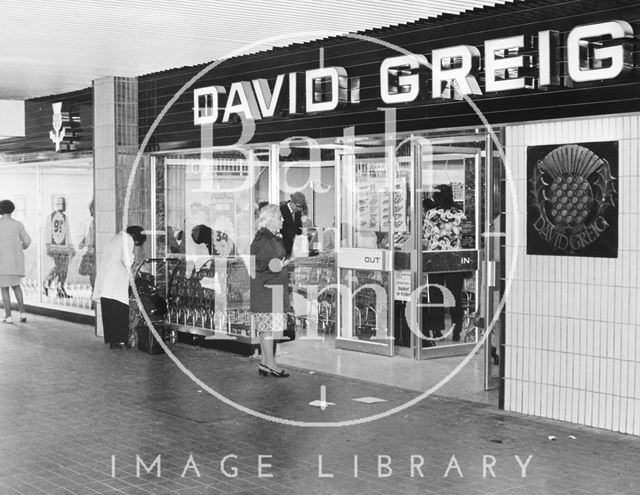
48,174
524,115
530,128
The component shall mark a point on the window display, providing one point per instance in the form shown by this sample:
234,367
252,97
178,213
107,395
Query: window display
448,204
208,217
55,205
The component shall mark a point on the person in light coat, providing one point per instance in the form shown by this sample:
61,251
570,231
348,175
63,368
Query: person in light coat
13,241
112,284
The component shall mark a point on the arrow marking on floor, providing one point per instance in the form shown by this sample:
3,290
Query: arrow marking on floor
322,403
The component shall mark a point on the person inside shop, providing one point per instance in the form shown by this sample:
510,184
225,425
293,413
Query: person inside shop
112,284
442,232
203,235
13,241
329,238
200,215
269,287
175,240
291,212
59,247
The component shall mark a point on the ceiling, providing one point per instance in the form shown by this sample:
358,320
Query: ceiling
51,47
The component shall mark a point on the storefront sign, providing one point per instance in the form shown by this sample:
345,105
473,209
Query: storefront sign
364,259
402,285
449,261
572,207
57,135
595,52
64,126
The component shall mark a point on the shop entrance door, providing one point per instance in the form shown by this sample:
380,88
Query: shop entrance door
365,277
450,185
452,267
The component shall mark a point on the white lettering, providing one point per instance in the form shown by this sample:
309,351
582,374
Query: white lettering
322,474
587,61
488,466
223,467
262,465
505,64
156,463
523,467
247,104
415,466
267,101
315,78
548,58
406,69
384,465
411,310
453,464
293,92
461,79
205,104
191,464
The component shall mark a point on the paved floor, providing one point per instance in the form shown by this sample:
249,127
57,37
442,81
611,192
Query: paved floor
399,371
76,417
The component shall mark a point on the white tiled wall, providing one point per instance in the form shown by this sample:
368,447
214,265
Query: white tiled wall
573,323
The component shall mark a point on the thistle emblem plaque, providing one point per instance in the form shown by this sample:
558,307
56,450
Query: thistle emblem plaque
573,200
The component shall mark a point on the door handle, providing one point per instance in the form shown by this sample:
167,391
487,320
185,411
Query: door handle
491,273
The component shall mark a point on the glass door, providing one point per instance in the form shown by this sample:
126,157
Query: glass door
364,264
449,189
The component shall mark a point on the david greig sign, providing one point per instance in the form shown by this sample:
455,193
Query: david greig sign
594,52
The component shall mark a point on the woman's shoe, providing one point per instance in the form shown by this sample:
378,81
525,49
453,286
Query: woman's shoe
23,318
7,319
63,293
266,371
278,374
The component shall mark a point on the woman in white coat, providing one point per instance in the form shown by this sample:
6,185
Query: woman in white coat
13,241
112,284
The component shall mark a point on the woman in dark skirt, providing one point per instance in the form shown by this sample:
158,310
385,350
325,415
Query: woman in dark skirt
269,287
112,285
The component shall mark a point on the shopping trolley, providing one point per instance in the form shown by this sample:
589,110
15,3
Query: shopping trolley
149,278
318,272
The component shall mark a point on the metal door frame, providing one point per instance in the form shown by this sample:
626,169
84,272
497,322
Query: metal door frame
345,158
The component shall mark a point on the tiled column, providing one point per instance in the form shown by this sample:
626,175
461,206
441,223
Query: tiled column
115,148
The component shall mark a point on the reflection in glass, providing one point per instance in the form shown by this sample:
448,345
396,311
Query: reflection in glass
368,302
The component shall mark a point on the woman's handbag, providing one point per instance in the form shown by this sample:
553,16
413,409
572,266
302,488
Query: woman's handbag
86,264
290,330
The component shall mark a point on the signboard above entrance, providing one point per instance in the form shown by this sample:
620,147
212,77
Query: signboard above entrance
594,52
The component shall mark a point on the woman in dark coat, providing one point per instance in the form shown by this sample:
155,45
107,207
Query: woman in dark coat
269,287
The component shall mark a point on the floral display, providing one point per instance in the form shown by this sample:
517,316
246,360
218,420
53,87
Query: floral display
442,229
